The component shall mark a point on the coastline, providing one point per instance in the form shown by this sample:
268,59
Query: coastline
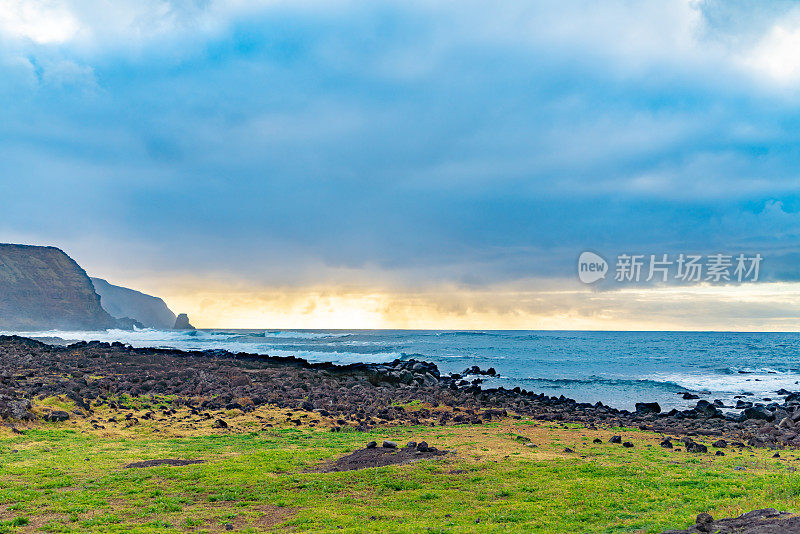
360,396
619,369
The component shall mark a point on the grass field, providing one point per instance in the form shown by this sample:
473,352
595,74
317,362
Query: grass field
69,477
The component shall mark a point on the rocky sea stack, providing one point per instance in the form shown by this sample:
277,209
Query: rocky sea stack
182,323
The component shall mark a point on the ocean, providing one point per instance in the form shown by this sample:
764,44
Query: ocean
617,368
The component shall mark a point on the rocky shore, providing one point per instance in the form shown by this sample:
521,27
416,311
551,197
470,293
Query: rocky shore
359,396
764,521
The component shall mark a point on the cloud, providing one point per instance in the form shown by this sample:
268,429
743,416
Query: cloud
775,55
527,305
396,145
65,22
43,22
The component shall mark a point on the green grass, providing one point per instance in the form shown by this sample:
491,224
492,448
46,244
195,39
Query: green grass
59,479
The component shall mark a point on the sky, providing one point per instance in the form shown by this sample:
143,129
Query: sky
388,164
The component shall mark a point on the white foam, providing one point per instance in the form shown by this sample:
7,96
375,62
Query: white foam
295,334
204,340
766,383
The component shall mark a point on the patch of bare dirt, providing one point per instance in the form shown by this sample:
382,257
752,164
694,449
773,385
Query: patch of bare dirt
264,517
272,516
166,461
382,456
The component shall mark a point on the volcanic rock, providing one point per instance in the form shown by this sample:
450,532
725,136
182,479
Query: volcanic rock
765,521
758,412
182,323
648,407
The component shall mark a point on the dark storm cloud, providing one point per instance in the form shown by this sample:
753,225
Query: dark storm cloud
444,141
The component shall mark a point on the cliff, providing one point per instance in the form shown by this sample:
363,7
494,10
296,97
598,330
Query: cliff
120,302
41,288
